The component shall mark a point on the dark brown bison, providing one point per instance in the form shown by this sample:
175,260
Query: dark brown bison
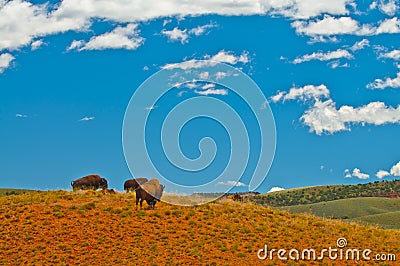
150,191
237,197
89,182
132,184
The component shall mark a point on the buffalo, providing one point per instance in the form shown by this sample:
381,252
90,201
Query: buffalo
89,182
133,184
150,191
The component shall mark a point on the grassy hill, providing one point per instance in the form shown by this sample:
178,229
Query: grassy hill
380,211
309,195
13,191
69,228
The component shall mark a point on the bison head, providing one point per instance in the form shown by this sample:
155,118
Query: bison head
103,183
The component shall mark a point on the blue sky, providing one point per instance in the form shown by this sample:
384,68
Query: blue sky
330,71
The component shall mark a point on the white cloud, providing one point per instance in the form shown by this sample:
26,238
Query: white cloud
140,10
327,26
325,117
212,92
382,173
330,25
36,44
21,115
357,173
22,21
5,61
386,83
395,170
200,30
394,54
222,56
278,96
232,183
87,118
388,7
274,189
360,45
75,45
230,58
336,63
303,93
391,25
373,5
176,35
208,86
347,173
340,53
119,38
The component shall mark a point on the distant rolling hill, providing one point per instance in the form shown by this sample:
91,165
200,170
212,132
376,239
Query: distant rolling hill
384,212
13,191
309,195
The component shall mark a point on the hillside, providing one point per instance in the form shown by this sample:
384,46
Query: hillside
69,228
13,191
317,194
379,211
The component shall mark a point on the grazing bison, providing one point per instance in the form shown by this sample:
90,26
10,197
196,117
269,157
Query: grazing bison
132,184
237,197
150,191
89,182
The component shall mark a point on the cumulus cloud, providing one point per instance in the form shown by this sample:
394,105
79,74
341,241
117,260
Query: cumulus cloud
385,83
200,30
5,61
395,170
336,63
303,93
212,92
21,116
324,117
222,56
140,10
360,45
356,173
22,21
183,35
119,38
274,189
388,7
232,183
36,44
330,25
340,53
382,173
394,54
176,34
87,118
391,25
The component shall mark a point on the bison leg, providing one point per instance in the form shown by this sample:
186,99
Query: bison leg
141,203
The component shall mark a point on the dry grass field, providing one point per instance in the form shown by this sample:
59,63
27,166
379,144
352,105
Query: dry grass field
92,228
